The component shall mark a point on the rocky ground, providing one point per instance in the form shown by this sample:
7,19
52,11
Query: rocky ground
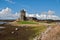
51,33
14,31
26,30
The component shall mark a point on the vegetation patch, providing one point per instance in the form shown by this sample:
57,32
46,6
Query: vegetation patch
37,31
27,22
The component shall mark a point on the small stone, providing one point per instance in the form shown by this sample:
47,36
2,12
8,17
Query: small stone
16,29
12,32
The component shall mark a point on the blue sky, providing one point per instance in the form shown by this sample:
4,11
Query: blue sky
32,6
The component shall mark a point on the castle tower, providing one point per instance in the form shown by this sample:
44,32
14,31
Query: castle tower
23,15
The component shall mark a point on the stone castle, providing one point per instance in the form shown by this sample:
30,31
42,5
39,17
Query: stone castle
23,16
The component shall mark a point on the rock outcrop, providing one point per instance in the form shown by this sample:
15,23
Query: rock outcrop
52,33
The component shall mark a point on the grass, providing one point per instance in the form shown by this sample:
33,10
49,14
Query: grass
27,22
24,33
38,31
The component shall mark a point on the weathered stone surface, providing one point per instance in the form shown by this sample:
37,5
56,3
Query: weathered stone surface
52,34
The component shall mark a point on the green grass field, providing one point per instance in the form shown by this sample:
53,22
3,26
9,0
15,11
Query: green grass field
27,22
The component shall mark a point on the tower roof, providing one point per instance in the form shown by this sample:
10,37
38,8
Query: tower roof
23,10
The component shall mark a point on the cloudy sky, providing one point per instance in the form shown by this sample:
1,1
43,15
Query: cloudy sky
7,13
10,8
